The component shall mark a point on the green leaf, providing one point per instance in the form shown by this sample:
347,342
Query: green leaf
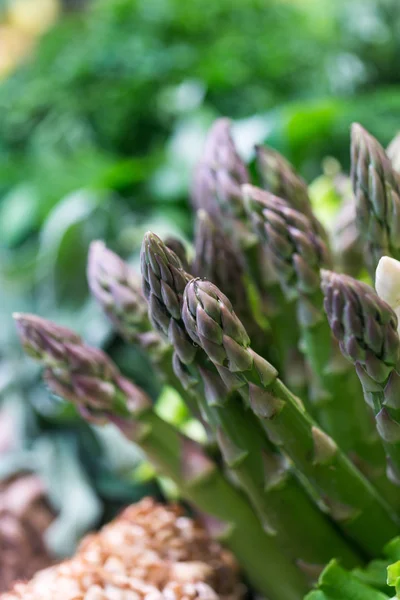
392,550
64,242
171,407
393,577
335,583
18,214
374,574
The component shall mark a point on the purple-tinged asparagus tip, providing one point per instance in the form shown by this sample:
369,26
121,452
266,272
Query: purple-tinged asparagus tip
41,337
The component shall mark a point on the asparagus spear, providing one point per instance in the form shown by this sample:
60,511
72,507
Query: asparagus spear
291,241
376,187
263,475
221,163
298,254
178,247
220,173
348,497
219,260
279,177
217,189
366,328
88,378
117,288
164,281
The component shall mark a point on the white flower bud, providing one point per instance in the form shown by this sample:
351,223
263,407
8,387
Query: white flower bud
387,282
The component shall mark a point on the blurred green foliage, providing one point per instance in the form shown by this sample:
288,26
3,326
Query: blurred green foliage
100,128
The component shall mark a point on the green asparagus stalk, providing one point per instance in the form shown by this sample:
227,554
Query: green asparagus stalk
117,288
263,475
283,507
366,328
298,254
376,187
88,378
279,177
348,496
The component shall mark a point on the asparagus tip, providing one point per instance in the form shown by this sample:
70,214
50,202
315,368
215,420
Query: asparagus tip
32,327
151,241
102,263
357,130
96,246
327,277
154,246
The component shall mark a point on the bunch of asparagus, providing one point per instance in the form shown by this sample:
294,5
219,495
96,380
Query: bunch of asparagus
290,364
